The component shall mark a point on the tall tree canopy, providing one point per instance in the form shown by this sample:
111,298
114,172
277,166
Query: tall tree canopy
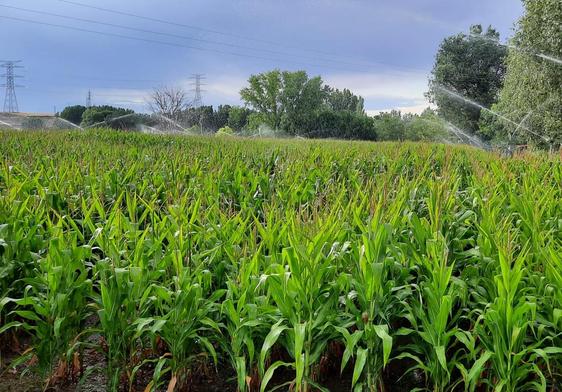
468,65
98,114
73,113
343,100
532,93
283,99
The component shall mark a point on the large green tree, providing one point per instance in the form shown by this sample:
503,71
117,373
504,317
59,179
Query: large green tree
532,93
284,99
343,100
470,66
238,118
73,113
107,114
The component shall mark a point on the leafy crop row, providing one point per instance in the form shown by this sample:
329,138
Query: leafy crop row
267,261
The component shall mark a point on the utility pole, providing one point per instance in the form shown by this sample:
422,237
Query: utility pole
197,82
89,99
10,101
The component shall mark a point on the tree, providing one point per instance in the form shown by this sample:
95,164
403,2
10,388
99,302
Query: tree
470,66
343,100
169,102
390,126
73,113
203,119
341,125
238,118
301,97
221,116
264,95
532,92
424,127
283,99
100,114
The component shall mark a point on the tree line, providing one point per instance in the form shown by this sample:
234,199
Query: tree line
281,103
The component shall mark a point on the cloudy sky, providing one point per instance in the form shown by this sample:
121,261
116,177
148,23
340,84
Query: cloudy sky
121,49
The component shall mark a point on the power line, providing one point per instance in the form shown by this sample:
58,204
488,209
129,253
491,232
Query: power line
183,37
10,100
153,41
86,77
277,44
132,15
89,99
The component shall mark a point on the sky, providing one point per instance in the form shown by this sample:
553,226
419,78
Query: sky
380,49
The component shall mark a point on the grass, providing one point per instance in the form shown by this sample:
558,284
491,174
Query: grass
264,261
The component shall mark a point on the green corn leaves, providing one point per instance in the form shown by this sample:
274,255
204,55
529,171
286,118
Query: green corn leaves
280,265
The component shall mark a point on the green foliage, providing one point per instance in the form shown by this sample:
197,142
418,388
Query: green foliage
73,114
274,264
390,126
238,118
533,90
343,101
342,125
472,66
425,127
202,118
284,99
99,114
299,105
221,116
264,95
225,131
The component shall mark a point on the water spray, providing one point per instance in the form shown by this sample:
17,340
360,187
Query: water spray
543,56
148,129
110,120
70,123
9,125
172,122
482,107
462,135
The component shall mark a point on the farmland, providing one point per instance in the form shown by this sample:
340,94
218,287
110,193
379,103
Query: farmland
142,262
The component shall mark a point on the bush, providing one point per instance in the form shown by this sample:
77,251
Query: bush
340,125
225,131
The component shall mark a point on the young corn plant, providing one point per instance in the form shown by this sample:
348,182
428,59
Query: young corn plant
53,307
124,294
377,283
247,320
433,318
505,328
23,241
184,322
554,275
305,290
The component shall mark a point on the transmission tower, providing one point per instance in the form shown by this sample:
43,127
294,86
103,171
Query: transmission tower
89,99
10,101
197,82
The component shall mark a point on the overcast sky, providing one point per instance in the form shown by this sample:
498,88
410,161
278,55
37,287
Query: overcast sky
380,49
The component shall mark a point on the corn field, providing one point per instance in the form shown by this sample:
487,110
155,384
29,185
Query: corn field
182,263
